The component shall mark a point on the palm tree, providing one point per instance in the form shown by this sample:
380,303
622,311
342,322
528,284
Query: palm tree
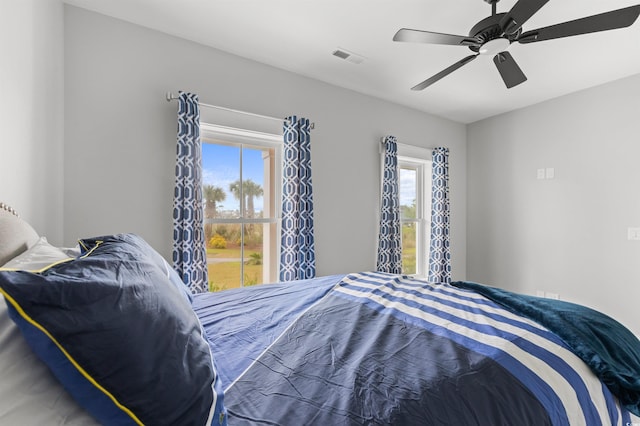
212,196
239,194
250,190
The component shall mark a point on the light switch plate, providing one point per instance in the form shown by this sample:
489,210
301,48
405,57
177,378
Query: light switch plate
550,173
633,234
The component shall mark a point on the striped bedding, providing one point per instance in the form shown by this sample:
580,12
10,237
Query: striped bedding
373,348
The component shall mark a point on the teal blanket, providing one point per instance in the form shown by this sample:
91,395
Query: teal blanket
605,345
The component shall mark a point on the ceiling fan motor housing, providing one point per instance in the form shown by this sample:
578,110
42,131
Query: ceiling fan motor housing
489,29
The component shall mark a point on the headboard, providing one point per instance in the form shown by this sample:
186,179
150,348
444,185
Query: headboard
16,235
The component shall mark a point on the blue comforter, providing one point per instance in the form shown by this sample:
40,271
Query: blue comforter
376,348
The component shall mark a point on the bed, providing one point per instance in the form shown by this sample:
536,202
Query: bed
106,333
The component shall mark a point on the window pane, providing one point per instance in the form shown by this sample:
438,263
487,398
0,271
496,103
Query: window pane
408,194
240,186
409,247
224,256
220,170
415,212
253,178
253,254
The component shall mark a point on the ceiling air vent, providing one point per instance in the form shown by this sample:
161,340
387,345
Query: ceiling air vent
348,56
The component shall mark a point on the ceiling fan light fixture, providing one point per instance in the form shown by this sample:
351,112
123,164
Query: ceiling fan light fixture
495,46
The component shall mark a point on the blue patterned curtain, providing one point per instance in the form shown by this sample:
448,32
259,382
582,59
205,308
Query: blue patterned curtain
189,251
389,239
439,254
297,248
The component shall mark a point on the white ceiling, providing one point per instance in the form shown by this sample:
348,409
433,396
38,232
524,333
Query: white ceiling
300,36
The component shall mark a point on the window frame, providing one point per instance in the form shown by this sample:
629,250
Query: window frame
422,166
232,136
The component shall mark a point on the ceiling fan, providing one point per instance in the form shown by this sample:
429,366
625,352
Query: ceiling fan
493,35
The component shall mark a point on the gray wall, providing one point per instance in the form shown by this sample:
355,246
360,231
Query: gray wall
120,137
31,111
566,235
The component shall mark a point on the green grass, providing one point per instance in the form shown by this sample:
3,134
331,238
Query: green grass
408,249
409,260
226,275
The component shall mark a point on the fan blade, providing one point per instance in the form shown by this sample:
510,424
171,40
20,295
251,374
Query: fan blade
444,73
511,73
519,14
417,36
620,18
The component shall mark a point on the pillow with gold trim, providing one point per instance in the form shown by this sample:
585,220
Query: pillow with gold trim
119,335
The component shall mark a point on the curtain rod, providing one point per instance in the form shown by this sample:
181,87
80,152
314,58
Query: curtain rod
408,146
171,97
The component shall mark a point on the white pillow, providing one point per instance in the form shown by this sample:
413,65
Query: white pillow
38,257
29,393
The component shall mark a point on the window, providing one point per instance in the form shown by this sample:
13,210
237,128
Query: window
241,195
415,213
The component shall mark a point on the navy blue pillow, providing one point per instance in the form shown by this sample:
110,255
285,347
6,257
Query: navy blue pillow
141,246
119,335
